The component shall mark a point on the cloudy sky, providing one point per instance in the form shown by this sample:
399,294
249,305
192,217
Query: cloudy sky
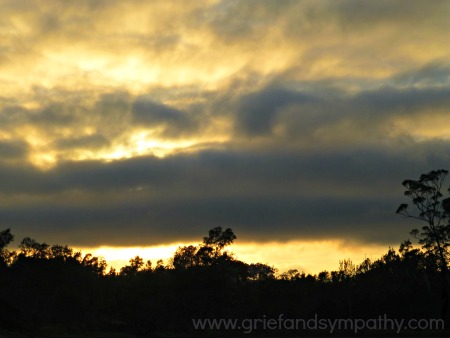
129,124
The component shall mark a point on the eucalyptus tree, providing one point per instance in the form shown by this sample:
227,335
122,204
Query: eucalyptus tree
434,236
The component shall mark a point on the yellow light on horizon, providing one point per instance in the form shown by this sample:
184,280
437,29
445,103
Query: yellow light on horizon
118,257
307,256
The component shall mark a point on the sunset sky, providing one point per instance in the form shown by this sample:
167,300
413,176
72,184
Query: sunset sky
138,125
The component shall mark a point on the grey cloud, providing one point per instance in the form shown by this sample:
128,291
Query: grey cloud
152,114
230,172
243,20
389,101
51,115
13,115
369,13
253,219
23,178
302,114
435,73
111,114
66,117
232,20
108,114
91,142
256,112
56,114
12,149
270,195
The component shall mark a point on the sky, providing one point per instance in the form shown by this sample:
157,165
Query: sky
143,124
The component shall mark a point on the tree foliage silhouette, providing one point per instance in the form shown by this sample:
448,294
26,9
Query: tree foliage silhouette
5,238
218,238
434,236
54,289
211,251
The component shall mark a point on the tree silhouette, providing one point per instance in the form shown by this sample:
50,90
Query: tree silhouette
5,238
136,265
261,272
185,257
208,253
435,234
52,289
217,239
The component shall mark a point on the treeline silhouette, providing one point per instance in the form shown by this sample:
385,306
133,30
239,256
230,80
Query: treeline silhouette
47,290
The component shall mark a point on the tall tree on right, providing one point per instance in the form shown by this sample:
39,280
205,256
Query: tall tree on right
434,236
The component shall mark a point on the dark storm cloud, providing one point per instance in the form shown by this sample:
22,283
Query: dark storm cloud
152,114
256,113
262,219
391,102
216,172
272,195
302,113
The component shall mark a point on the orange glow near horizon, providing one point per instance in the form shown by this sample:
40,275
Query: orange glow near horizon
305,256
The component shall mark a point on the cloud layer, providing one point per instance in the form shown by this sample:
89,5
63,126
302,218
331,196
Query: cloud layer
140,123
